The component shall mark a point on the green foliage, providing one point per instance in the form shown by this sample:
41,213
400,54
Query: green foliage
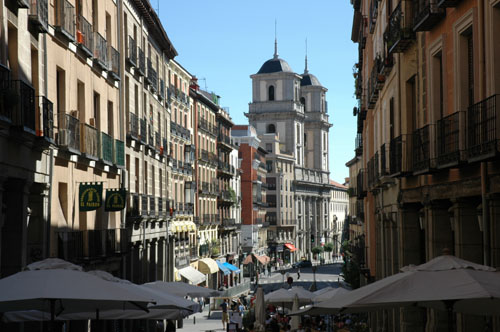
351,272
248,319
317,250
328,247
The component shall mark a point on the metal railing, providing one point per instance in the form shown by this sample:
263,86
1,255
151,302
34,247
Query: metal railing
132,51
89,140
65,18
100,50
84,34
144,205
119,153
361,183
39,14
142,62
421,142
133,129
448,3
482,128
426,14
106,147
152,76
68,131
383,160
448,139
143,135
24,109
358,144
161,93
114,62
46,108
399,32
70,245
373,14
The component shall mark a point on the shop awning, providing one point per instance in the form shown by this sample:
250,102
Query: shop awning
193,275
247,260
223,268
207,266
290,246
176,274
232,267
261,259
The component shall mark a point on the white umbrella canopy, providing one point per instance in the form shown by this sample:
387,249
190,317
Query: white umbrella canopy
295,321
182,289
65,291
330,294
286,296
323,290
260,310
446,282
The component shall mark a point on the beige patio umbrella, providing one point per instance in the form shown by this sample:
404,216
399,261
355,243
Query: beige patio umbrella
260,310
286,296
295,321
331,293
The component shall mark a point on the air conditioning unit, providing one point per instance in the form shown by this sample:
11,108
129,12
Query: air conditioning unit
63,137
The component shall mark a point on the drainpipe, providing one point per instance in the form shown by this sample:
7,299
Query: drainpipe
46,250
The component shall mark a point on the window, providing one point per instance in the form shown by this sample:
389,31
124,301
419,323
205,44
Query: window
271,128
269,165
271,93
269,147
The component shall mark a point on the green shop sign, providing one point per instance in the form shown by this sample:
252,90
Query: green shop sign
90,196
115,199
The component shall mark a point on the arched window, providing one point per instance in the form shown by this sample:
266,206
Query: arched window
271,92
271,129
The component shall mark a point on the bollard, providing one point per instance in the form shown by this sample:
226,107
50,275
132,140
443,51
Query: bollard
194,320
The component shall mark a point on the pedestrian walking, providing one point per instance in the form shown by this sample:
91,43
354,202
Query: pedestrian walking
225,316
298,273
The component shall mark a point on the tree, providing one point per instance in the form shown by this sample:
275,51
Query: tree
328,247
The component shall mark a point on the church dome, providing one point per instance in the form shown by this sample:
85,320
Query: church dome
309,79
275,65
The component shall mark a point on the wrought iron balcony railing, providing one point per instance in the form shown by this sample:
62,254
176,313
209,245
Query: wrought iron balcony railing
399,33
359,145
46,109
161,93
68,132
119,153
375,82
114,63
65,19
448,139
142,62
6,95
383,160
144,205
482,127
23,109
39,14
361,183
84,35
100,50
132,52
143,135
400,155
448,3
426,14
373,14
70,245
106,153
421,142
133,129
89,141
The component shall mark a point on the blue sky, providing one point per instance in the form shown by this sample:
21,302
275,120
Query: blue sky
225,41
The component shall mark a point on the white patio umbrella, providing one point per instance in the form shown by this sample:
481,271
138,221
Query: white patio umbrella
445,282
286,296
182,289
61,291
295,321
330,294
323,290
260,310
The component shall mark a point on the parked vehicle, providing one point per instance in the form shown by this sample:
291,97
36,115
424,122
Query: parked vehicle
302,264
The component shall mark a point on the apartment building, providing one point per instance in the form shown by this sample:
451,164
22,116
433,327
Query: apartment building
205,111
146,109
253,197
26,136
428,85
339,210
182,185
282,232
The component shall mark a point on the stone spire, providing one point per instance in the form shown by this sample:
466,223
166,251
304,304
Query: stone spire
275,42
306,70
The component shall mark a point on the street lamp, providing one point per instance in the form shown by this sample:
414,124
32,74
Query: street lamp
313,287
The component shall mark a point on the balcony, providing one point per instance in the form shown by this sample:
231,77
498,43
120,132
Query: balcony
228,223
426,15
23,106
6,96
39,14
89,141
119,153
421,142
361,184
144,205
84,35
482,127
46,109
448,3
143,135
157,141
68,133
142,62
358,145
70,245
399,33
151,137
448,140
373,171
133,126
375,83
106,242
100,50
114,63
161,93
106,148
65,19
400,153
383,161
152,205
132,52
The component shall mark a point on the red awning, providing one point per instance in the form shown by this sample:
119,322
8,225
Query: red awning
290,246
